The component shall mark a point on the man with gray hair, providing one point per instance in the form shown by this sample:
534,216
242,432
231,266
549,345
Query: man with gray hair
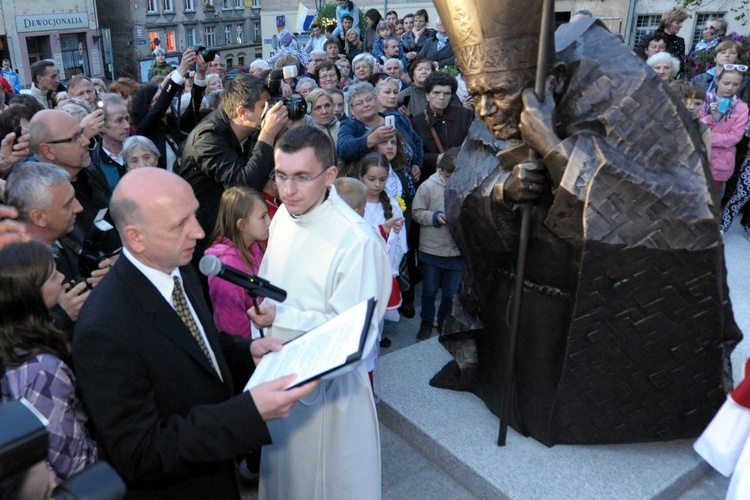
46,204
106,159
258,67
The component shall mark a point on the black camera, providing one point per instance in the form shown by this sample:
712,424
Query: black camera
296,107
208,55
24,442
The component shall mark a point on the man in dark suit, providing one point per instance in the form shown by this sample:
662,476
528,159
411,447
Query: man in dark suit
158,382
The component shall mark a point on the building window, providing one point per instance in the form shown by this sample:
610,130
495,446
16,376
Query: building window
256,32
700,22
168,6
209,37
230,62
644,25
241,60
239,4
151,36
256,4
239,32
189,5
168,43
227,4
227,34
190,37
152,6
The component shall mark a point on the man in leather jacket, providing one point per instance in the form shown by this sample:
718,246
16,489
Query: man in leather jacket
233,146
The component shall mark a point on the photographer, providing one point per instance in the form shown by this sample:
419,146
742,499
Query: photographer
233,146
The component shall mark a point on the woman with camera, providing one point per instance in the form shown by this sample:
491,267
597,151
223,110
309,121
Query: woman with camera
34,355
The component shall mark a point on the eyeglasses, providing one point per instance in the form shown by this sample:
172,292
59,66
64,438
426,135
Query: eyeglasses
69,139
731,67
366,100
298,179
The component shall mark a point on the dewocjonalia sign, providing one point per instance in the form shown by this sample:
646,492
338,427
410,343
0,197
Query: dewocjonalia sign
42,22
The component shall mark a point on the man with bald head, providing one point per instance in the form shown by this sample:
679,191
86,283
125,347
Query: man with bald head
160,384
57,138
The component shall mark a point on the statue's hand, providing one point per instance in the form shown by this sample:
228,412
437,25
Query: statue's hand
526,182
536,125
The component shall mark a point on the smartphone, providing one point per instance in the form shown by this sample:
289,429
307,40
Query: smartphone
17,129
723,105
405,102
100,105
390,121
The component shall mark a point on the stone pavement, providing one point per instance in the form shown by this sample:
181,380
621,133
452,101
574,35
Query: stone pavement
418,467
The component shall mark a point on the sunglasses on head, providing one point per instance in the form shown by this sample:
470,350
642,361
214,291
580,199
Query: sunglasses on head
732,67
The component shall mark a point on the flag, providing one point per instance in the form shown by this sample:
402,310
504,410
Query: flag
301,15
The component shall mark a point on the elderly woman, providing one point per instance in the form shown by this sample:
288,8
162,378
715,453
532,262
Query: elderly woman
367,128
305,85
363,66
139,151
320,114
665,65
328,76
388,89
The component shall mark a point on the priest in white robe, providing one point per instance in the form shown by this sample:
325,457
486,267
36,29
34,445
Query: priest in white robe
328,259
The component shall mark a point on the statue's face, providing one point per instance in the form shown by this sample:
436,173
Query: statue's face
497,100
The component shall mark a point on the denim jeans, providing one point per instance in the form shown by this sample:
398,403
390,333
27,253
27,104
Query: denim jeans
443,272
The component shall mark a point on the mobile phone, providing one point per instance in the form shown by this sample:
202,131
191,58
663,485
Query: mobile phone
723,105
100,105
17,129
390,121
405,102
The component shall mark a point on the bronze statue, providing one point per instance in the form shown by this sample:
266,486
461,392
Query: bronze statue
625,325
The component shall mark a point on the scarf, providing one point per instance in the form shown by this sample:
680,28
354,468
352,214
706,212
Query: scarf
442,40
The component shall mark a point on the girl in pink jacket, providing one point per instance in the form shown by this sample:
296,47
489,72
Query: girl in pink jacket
240,230
726,116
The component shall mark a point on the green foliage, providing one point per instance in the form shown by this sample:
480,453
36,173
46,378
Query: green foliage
451,70
738,9
326,16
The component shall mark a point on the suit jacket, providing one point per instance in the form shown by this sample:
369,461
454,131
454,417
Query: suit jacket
169,425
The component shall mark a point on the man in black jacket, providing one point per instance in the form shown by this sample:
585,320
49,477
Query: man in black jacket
233,146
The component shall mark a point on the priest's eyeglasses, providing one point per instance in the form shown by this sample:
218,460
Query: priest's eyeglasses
298,179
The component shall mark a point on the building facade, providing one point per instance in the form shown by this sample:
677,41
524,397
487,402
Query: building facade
232,27
630,18
65,31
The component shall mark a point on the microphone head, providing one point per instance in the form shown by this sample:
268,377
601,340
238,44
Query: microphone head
210,265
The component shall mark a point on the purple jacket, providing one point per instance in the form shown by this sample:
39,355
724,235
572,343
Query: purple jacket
231,301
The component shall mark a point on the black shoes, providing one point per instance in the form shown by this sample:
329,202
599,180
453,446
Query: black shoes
425,330
407,311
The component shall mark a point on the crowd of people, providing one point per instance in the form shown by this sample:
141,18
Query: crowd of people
112,194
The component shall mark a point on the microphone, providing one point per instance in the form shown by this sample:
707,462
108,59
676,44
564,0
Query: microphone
210,265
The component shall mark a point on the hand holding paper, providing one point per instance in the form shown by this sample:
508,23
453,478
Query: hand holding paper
261,347
273,402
